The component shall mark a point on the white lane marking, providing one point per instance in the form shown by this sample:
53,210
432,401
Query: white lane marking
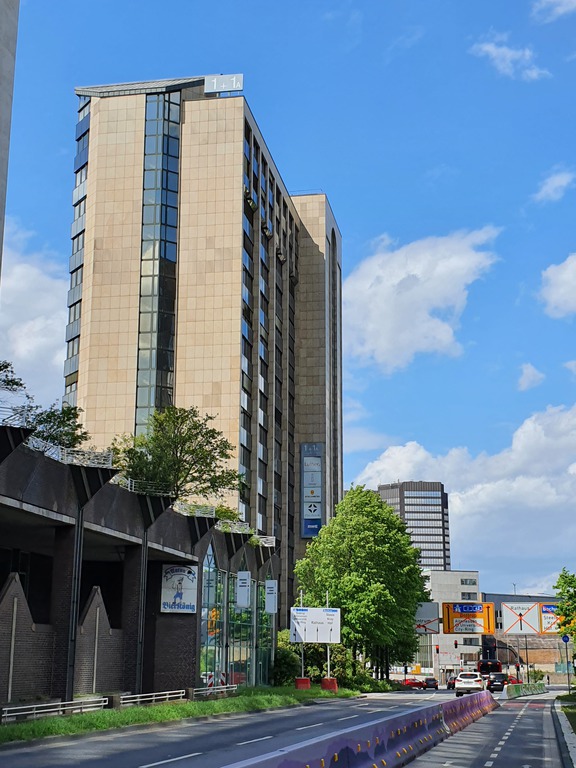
494,754
171,760
350,717
304,727
501,743
488,764
252,741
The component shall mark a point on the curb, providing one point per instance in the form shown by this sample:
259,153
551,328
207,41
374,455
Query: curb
565,735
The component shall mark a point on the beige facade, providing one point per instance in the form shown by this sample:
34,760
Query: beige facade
196,279
8,30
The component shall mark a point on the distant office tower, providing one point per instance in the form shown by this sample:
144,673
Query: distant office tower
196,279
424,508
8,30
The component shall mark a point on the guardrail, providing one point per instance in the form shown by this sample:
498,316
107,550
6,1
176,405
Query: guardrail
136,699
34,711
215,690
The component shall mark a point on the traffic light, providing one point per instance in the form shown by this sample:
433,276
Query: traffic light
455,643
437,649
517,667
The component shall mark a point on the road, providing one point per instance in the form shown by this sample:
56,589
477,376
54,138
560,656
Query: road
521,727
519,734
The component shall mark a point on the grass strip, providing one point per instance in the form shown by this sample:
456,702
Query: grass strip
249,700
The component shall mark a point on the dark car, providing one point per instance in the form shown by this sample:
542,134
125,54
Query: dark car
450,683
430,682
496,681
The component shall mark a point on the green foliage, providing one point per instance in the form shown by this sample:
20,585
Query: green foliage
565,588
286,667
364,559
180,452
9,382
537,675
56,425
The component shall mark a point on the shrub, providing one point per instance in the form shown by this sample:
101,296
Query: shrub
286,666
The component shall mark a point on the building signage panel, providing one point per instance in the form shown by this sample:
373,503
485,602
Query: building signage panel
223,83
468,618
243,582
179,592
271,596
315,625
520,618
311,485
427,619
549,619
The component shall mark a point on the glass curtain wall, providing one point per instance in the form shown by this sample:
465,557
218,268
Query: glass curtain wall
212,633
240,639
264,637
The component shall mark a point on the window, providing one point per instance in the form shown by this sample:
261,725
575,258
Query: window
74,312
80,209
78,243
73,346
82,143
468,582
76,277
469,596
81,175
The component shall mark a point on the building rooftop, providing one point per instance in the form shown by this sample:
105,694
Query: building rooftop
147,86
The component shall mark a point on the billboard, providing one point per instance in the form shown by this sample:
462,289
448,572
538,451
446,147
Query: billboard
529,619
179,593
315,625
468,618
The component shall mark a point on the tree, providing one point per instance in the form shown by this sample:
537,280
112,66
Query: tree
9,382
57,425
179,452
565,589
363,558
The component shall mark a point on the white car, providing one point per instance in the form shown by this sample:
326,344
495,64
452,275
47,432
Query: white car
468,682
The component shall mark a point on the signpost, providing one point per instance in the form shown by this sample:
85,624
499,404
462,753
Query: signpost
468,618
521,618
427,619
566,640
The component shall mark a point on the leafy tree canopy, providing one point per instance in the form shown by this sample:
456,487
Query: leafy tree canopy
364,559
180,452
565,588
57,425
9,382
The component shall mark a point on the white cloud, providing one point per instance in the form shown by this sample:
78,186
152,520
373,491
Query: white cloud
550,10
356,436
554,186
558,288
33,314
409,300
571,366
530,377
521,497
517,63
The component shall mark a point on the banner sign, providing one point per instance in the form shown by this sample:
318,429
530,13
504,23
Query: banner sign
271,596
468,618
179,592
243,583
549,619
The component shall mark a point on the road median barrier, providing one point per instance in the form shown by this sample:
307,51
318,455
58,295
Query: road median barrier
514,691
386,742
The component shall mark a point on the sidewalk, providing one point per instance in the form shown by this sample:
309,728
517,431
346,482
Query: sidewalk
567,732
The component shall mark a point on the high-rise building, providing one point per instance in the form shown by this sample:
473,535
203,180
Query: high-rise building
424,508
197,279
8,31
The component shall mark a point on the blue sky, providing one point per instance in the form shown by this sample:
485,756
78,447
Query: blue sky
443,134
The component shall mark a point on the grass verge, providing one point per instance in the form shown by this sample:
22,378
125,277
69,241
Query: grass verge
568,702
249,700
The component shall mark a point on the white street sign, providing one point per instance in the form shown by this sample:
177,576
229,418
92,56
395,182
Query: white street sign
520,618
315,625
427,619
243,589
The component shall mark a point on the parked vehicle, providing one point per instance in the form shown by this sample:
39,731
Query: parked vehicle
430,682
450,683
496,681
513,681
468,682
413,682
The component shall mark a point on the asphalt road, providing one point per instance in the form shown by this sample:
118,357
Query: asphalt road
519,734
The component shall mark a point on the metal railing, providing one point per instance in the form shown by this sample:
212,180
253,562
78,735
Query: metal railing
143,486
85,458
34,711
135,699
215,690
